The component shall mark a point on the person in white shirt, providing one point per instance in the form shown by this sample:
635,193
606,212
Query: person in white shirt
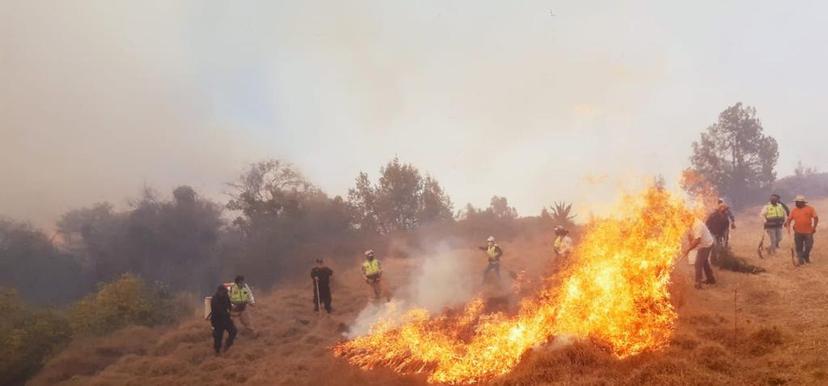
700,239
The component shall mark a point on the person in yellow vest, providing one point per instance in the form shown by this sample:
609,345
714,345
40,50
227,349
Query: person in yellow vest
493,253
563,243
240,297
773,216
372,273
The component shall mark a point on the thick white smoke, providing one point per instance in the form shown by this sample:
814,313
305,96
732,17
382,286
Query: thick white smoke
441,279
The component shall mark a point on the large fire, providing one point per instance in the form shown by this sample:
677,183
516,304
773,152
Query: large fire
614,292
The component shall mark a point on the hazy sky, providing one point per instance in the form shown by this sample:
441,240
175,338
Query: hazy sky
100,98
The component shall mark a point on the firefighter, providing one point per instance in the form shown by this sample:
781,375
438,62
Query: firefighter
773,216
493,253
563,243
241,296
372,273
220,319
321,276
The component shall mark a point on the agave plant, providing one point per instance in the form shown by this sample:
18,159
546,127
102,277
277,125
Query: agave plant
561,213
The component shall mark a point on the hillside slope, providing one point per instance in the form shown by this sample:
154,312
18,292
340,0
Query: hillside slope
769,328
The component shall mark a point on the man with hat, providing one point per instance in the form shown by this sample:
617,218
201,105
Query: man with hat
718,223
805,220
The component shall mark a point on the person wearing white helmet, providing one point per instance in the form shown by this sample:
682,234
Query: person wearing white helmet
372,273
493,253
563,243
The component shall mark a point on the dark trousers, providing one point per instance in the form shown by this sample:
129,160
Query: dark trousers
804,242
703,265
493,266
219,326
718,247
323,296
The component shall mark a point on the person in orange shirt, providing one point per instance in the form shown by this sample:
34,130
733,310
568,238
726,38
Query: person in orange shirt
805,220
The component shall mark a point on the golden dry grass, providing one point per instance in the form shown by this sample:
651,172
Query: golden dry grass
775,332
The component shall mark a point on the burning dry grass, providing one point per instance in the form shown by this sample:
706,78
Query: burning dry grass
615,292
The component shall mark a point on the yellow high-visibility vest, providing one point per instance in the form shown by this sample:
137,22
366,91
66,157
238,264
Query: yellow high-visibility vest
774,211
240,295
371,267
492,252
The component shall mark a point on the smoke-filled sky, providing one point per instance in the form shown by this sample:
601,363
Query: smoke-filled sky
534,100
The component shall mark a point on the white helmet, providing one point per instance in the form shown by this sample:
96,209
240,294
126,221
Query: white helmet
490,239
369,252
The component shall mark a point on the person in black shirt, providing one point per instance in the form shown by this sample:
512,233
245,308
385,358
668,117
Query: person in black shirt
220,319
321,276
718,223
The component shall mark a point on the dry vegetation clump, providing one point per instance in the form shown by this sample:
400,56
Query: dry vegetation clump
764,340
559,364
669,372
192,332
90,355
684,342
714,357
724,258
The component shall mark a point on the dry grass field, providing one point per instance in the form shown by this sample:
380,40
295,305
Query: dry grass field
763,329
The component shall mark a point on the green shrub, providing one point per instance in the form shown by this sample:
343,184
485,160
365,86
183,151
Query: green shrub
126,301
28,337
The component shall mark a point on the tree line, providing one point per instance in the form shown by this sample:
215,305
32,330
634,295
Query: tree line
274,221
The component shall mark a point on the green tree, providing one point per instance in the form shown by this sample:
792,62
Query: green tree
399,194
126,301
803,171
284,217
174,241
28,337
401,200
270,189
500,209
435,203
30,263
735,155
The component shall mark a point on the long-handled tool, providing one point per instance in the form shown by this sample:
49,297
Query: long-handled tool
318,296
794,257
760,250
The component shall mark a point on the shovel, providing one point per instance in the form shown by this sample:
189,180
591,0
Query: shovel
760,250
318,297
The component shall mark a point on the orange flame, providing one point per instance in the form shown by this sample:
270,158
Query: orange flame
614,292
